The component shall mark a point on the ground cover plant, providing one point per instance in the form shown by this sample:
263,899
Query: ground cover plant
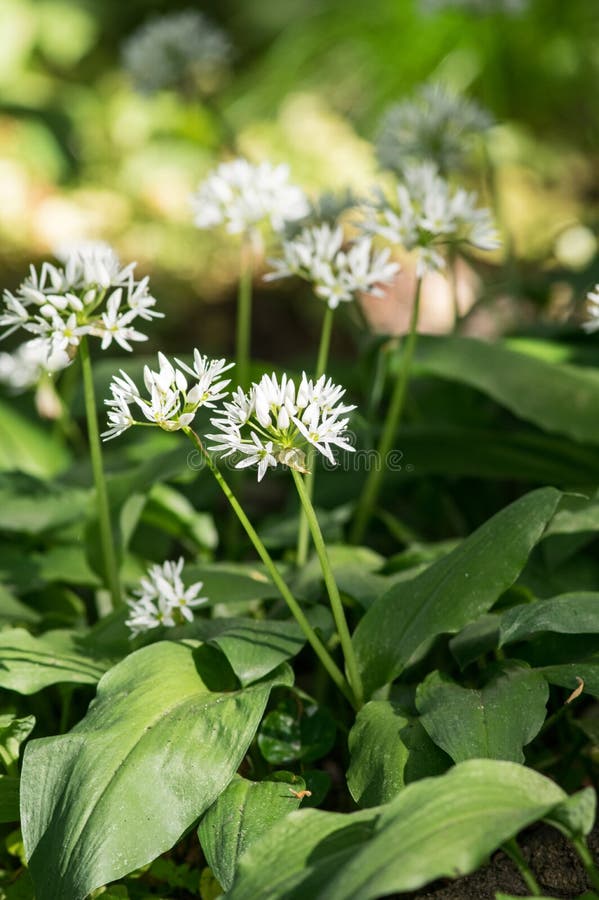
325,625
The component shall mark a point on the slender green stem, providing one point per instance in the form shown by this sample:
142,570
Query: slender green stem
321,364
294,607
333,591
244,314
372,486
515,854
588,862
95,447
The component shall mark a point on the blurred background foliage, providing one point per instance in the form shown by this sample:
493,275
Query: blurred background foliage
83,155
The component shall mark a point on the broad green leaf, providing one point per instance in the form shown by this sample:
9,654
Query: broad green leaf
355,570
13,732
254,647
495,722
29,446
172,512
438,827
453,591
230,584
162,739
9,798
475,639
575,817
558,398
13,610
576,613
66,563
388,749
567,674
576,514
31,506
285,736
243,813
28,664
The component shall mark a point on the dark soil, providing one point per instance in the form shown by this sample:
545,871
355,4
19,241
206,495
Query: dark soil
551,857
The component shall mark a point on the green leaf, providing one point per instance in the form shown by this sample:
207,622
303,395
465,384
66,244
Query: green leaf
453,591
253,647
438,827
229,583
31,506
557,398
243,813
575,817
162,739
495,722
12,610
475,639
28,664
355,570
388,750
576,613
284,737
9,798
13,732
29,446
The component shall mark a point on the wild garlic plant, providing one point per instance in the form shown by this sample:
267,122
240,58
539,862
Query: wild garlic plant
339,272
89,294
427,216
273,423
162,600
250,201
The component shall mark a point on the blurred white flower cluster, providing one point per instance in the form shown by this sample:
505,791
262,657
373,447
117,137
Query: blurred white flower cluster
435,126
593,311
337,275
89,294
428,214
480,7
163,599
180,50
23,368
174,398
275,422
244,197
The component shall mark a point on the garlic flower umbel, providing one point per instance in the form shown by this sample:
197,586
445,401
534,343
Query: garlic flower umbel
179,50
275,422
430,214
174,394
434,126
163,599
337,275
25,366
89,294
593,311
244,197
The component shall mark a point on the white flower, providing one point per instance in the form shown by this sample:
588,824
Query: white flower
89,294
428,214
435,126
172,401
163,599
336,275
25,367
242,197
593,311
182,49
275,422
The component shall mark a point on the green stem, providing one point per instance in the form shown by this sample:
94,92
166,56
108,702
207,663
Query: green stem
294,607
372,486
244,314
321,364
333,591
586,858
95,447
512,849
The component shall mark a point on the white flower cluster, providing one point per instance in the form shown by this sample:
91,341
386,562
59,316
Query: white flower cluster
24,368
163,599
479,7
243,197
435,126
182,49
275,422
173,400
316,254
89,294
593,310
431,213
